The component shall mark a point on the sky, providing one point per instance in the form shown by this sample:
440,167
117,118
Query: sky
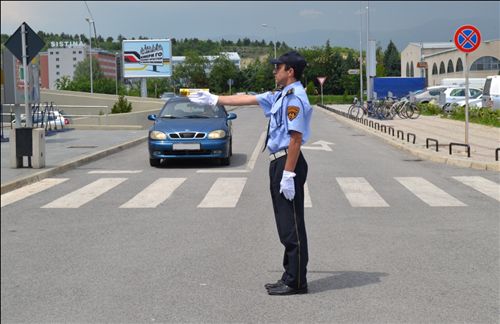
298,23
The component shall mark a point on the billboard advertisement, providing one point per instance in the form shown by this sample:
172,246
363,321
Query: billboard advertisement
147,58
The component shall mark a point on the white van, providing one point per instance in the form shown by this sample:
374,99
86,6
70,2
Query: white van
491,92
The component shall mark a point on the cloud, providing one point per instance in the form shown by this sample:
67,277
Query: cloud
310,13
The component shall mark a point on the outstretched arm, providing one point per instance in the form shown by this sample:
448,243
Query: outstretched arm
205,97
238,100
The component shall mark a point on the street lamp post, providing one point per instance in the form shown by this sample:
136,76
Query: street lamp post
90,21
275,36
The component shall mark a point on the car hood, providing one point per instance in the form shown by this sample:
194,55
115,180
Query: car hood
186,124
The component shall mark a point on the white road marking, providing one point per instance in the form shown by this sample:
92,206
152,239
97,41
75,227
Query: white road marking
429,193
113,171
307,197
85,194
360,193
225,193
250,164
34,188
482,185
154,194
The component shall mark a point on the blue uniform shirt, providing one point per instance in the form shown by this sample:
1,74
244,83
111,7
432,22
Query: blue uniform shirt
289,110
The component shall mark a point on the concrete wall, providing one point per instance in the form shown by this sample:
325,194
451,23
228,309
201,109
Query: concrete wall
67,100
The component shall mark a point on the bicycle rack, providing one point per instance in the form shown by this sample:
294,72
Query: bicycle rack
402,134
391,129
496,154
460,144
408,137
428,139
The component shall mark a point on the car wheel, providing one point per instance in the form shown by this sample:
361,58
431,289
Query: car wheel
154,162
225,161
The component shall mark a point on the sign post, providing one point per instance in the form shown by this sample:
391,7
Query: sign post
25,44
321,80
467,39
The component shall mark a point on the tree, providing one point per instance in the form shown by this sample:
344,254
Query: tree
392,60
222,70
82,70
191,73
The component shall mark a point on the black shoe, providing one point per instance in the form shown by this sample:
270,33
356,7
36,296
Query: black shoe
283,290
274,285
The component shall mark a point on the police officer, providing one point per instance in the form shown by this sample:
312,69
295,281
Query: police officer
289,114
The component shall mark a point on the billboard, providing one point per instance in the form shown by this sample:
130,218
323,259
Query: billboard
147,58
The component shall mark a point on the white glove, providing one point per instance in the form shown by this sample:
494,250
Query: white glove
287,185
204,98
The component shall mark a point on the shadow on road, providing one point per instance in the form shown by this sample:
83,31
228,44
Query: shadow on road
343,279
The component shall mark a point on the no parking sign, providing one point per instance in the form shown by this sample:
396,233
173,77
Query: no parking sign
467,39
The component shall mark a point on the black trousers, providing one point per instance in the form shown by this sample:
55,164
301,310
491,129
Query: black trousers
290,222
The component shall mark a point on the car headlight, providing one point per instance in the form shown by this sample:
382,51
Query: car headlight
157,135
217,134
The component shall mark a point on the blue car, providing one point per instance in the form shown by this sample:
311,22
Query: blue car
184,129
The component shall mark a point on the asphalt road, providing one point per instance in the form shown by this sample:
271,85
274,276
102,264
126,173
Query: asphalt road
392,239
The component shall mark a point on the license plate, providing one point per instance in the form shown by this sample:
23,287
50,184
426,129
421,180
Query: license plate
186,146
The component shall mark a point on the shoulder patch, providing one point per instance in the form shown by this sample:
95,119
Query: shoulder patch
292,112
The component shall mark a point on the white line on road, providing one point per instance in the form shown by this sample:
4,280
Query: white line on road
154,194
21,193
225,192
85,194
429,193
114,171
251,162
482,185
360,193
307,197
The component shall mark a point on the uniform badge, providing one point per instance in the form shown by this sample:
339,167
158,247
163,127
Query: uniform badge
292,112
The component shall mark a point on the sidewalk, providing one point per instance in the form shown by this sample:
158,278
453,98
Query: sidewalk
483,140
65,150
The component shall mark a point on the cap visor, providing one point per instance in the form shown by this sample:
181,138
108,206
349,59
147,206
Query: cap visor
275,61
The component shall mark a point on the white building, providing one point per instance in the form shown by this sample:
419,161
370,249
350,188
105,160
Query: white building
62,62
437,61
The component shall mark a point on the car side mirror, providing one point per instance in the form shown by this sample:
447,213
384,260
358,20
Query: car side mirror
152,117
231,116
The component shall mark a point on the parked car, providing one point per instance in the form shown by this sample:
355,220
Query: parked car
430,94
458,94
491,92
473,102
52,120
168,95
184,129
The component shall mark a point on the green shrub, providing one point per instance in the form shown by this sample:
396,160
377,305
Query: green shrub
485,116
310,88
331,99
121,106
429,109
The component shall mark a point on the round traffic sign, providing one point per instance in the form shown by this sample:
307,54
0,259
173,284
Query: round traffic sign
467,38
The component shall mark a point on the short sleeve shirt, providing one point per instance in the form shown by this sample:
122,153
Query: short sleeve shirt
288,110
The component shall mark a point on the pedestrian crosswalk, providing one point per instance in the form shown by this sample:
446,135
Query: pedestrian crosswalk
227,192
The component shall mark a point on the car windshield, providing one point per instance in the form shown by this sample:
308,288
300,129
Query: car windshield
187,109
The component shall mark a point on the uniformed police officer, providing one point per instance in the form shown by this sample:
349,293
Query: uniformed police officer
289,114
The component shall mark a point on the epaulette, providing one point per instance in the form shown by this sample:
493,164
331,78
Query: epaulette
289,92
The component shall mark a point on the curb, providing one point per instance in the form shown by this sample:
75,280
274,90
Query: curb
71,164
427,155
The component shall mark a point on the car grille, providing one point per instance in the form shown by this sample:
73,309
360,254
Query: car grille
187,135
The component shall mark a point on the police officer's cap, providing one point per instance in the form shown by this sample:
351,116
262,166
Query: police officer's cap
292,59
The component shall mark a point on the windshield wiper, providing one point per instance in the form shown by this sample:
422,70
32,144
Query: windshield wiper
196,116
